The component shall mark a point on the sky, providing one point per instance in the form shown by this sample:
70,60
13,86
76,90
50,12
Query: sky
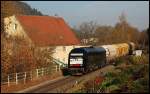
101,12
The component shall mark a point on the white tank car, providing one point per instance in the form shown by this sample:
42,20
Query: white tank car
132,46
110,51
116,50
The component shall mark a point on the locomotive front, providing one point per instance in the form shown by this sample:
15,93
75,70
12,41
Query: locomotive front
86,59
76,61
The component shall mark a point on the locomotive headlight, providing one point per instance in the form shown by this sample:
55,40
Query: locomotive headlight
76,61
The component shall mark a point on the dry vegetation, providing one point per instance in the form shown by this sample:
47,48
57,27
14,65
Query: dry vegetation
18,56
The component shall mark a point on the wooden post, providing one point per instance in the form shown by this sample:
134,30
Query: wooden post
25,77
37,73
42,71
59,67
31,75
93,87
8,81
46,71
16,78
56,68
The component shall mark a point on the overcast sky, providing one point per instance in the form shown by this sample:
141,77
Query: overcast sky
103,12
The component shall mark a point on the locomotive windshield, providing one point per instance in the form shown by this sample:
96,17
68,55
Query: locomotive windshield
76,59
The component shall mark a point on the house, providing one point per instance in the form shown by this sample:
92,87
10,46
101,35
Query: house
89,40
84,41
44,32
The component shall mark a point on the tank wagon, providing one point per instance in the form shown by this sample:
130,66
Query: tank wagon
118,50
85,59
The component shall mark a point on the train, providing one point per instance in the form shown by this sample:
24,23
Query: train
86,59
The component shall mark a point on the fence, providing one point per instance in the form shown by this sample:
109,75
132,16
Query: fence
20,77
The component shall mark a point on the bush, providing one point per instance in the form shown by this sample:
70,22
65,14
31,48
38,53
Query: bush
119,61
144,59
140,86
131,79
65,71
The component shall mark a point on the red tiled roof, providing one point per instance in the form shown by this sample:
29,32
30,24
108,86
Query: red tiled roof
47,30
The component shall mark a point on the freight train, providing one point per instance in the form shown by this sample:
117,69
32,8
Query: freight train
86,59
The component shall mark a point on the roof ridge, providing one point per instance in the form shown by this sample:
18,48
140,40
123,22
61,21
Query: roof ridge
38,16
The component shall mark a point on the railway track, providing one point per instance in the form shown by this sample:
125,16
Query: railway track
64,84
52,86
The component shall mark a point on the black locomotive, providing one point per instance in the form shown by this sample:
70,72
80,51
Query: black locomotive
86,59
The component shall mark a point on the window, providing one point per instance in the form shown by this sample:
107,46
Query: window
54,51
15,26
64,48
73,47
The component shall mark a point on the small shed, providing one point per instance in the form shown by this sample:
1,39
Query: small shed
137,52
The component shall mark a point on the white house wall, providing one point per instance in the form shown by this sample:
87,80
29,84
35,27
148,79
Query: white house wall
13,28
62,54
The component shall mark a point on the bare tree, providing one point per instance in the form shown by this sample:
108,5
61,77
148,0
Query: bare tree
88,29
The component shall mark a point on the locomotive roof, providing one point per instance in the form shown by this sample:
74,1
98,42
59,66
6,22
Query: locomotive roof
89,50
